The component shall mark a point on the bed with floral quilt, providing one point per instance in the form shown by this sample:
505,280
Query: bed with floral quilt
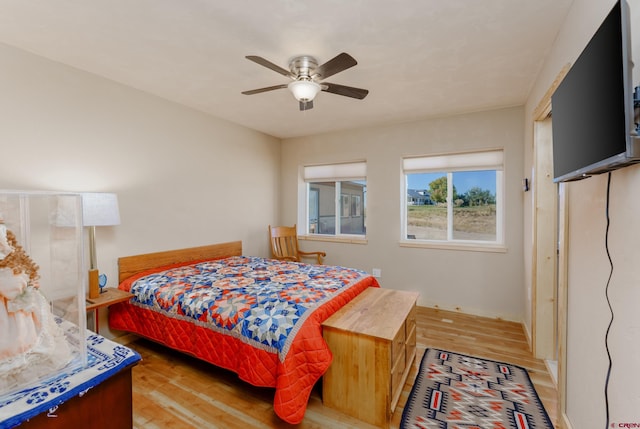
260,318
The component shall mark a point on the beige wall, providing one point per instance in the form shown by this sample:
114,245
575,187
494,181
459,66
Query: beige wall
588,313
474,282
183,178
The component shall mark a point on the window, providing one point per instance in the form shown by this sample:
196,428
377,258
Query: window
356,205
454,198
344,205
336,198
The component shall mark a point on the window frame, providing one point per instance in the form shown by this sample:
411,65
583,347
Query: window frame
345,203
356,206
336,174
450,163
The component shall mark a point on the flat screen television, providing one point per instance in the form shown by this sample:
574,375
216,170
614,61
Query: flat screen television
592,108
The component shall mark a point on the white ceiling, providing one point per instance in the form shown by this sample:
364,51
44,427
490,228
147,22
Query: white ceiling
418,58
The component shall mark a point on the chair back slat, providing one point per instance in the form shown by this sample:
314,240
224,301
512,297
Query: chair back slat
284,242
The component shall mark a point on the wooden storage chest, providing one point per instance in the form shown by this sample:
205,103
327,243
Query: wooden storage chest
373,341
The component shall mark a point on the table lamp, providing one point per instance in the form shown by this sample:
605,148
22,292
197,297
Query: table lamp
98,209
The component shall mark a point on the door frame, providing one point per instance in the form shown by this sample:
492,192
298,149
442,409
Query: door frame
540,292
545,239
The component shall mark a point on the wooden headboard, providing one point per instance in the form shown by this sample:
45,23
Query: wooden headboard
130,265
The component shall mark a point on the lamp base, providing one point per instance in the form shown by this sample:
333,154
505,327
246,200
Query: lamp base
94,287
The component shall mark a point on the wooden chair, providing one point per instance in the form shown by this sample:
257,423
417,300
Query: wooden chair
284,245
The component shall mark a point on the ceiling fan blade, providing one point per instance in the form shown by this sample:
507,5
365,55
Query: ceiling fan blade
268,64
306,105
347,91
335,65
268,88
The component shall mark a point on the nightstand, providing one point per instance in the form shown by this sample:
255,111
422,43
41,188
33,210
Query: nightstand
109,296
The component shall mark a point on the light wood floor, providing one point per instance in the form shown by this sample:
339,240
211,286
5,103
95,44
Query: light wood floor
172,390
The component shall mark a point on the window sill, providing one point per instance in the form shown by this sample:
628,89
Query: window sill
334,238
468,247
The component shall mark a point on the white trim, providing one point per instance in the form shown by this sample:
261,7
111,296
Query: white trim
565,423
472,246
353,239
500,208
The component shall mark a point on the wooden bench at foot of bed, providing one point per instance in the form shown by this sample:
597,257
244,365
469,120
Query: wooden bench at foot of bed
380,324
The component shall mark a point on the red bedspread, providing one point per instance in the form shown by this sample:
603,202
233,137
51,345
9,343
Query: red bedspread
260,318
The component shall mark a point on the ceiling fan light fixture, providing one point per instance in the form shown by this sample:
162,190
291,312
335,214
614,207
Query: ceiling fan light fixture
304,90
308,78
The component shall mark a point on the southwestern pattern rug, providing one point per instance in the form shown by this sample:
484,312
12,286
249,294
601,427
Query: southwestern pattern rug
455,391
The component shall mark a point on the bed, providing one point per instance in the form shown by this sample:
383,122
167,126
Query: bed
260,318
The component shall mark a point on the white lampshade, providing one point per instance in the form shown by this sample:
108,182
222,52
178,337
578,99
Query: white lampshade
100,209
304,90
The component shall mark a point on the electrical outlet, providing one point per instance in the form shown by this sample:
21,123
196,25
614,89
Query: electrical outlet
376,272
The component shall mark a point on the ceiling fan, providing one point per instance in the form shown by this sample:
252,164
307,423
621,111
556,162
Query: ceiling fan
307,78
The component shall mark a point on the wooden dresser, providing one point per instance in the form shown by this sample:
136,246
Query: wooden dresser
373,341
108,405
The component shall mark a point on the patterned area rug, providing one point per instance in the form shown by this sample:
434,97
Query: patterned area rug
454,391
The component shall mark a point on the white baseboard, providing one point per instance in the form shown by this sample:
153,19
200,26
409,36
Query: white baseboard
564,422
527,334
552,368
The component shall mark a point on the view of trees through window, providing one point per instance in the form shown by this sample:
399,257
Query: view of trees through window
464,209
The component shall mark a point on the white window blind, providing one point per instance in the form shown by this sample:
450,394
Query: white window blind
335,172
487,160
